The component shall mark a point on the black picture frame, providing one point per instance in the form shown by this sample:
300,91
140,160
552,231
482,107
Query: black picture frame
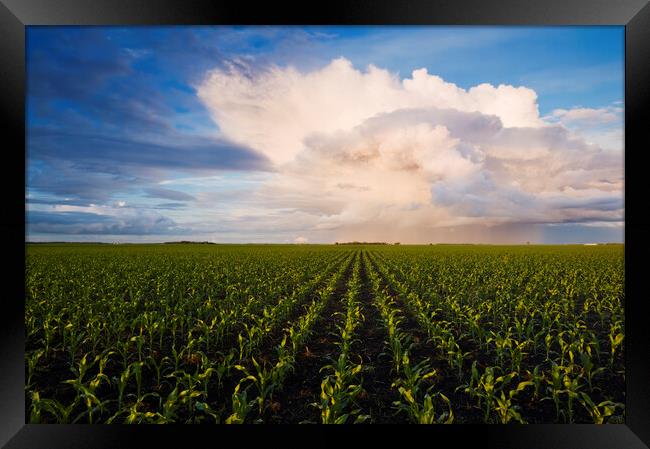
15,15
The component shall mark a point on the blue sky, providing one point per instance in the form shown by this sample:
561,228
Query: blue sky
150,133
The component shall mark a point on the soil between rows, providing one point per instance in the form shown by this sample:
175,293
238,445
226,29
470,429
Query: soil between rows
377,401
302,387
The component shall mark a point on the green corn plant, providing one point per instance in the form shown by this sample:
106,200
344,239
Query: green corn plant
485,390
335,401
60,412
204,373
122,382
548,340
521,325
132,414
456,357
571,389
157,367
263,381
49,331
588,367
338,393
189,390
426,412
506,410
488,386
82,368
139,342
36,408
555,387
87,392
170,406
595,344
615,339
205,408
124,349
471,386
241,407
601,411
224,367
517,354
476,329
400,345
176,357
537,377
187,398
242,346
502,343
411,385
136,369
564,347
73,339
32,361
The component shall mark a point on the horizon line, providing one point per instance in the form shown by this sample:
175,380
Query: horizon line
197,242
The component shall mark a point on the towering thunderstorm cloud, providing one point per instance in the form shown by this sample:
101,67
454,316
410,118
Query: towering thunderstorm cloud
365,150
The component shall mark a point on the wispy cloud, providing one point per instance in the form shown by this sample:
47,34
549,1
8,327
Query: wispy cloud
602,126
168,194
84,223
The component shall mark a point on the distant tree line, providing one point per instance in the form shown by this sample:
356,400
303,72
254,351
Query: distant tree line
66,243
364,243
186,242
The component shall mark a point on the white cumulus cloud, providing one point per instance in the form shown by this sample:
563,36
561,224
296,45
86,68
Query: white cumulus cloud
273,111
365,149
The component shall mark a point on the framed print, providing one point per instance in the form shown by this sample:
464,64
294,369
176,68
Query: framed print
240,222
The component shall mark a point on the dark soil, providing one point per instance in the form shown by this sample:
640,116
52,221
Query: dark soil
377,399
302,387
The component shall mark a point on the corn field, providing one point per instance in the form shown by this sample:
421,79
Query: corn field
332,334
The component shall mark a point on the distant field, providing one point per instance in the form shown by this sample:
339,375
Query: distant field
324,333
